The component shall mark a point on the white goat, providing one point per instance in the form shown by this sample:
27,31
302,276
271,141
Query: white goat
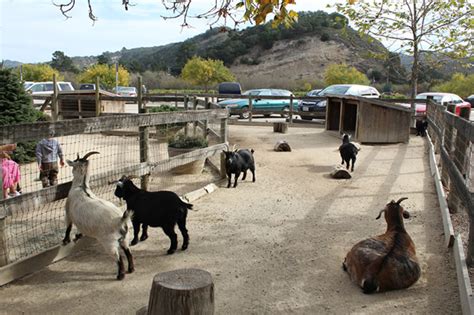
97,218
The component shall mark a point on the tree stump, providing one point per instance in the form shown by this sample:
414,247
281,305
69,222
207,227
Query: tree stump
280,127
181,292
340,172
282,146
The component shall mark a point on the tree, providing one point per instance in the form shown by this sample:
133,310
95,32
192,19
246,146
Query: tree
39,72
15,104
237,11
460,84
343,74
437,25
206,72
61,62
104,59
106,75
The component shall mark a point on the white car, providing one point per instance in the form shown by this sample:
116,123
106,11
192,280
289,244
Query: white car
444,99
317,107
46,88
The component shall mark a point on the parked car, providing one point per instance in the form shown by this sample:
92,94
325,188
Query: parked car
46,88
470,99
443,99
241,106
314,92
125,91
229,88
317,106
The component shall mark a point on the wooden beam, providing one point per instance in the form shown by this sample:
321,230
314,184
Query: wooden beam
38,130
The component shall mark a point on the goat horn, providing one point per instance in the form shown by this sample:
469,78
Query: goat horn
227,146
380,214
234,147
77,157
89,154
132,176
401,199
113,182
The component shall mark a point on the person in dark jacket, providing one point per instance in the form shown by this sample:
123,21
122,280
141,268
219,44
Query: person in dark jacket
48,151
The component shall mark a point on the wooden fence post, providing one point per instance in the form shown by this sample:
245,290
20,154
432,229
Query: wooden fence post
186,107
54,100
250,109
195,102
181,292
223,134
98,105
206,122
291,109
144,136
3,242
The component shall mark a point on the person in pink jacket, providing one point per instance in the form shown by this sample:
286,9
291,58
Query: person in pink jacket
10,172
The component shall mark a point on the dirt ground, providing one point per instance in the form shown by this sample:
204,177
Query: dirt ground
274,246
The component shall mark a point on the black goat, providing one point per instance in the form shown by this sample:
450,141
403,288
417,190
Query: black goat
421,126
156,209
348,152
237,162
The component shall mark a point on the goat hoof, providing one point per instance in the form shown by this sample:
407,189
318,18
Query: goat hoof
131,270
184,247
78,237
170,251
120,276
344,267
134,242
66,241
144,237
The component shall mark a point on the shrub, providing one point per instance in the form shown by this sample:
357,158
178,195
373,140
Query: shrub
343,74
324,37
181,141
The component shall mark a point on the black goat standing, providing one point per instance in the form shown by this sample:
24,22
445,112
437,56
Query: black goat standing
237,162
156,209
421,126
348,152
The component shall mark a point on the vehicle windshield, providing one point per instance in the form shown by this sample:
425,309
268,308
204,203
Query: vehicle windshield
253,92
26,85
436,98
125,89
337,89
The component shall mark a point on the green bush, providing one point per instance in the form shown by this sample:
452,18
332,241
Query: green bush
181,141
162,108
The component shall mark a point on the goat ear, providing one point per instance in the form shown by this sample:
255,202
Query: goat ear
380,214
406,214
69,162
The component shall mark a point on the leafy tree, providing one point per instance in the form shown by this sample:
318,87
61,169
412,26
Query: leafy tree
206,72
106,75
39,72
61,62
104,59
343,74
460,84
437,25
185,52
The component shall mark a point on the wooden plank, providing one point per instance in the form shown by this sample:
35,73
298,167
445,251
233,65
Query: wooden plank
38,130
464,282
443,204
34,263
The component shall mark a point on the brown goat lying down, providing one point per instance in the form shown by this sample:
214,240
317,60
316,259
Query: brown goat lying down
388,261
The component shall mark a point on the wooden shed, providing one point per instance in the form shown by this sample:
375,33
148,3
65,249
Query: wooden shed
368,120
83,104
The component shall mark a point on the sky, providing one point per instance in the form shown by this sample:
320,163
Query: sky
31,30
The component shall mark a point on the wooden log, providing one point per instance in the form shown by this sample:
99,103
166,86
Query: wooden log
3,243
183,291
339,172
280,127
282,146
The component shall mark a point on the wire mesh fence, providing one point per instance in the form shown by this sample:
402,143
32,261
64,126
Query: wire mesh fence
128,145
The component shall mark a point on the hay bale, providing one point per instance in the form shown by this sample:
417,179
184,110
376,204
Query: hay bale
282,146
340,172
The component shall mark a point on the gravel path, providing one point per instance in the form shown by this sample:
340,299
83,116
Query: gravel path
274,246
